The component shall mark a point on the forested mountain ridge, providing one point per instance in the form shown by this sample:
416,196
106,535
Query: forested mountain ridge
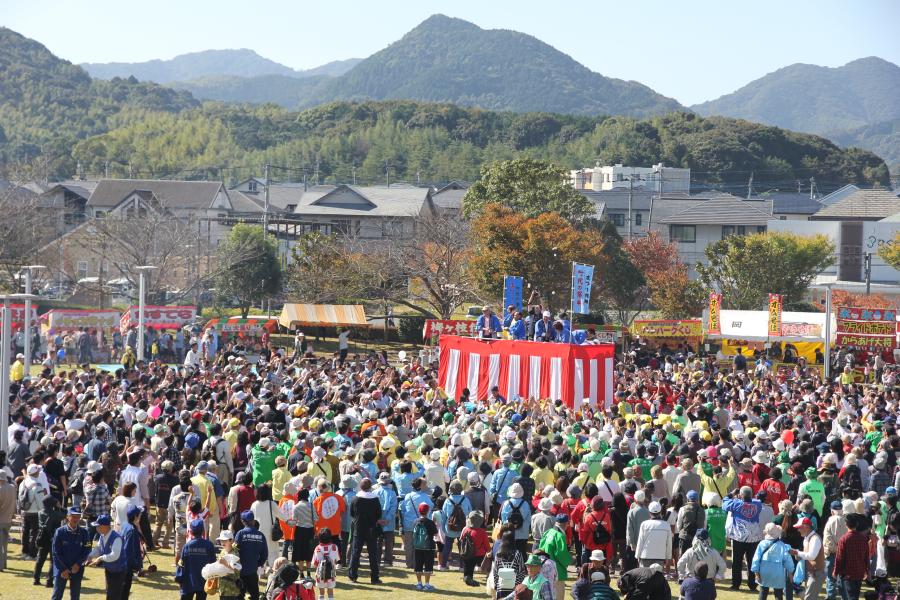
50,107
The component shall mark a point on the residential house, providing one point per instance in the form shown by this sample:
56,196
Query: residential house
857,223
705,219
448,198
839,194
67,200
792,206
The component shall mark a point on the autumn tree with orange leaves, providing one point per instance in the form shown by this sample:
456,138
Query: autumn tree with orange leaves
540,249
667,285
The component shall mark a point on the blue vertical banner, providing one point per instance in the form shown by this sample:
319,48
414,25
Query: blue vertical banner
582,279
512,292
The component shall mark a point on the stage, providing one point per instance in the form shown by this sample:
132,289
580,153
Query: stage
575,374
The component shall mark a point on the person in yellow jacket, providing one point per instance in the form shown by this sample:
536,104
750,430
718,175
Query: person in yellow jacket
17,370
715,480
280,476
207,495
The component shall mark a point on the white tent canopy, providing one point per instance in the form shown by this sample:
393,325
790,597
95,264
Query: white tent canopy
752,326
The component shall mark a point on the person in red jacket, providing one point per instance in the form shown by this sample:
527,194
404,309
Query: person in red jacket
576,512
480,543
775,490
597,517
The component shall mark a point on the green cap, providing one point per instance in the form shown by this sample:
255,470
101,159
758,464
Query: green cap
533,561
810,473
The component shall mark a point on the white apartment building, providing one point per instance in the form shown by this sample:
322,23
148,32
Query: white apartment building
658,178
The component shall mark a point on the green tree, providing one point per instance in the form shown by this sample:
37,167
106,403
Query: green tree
746,268
531,187
890,253
249,268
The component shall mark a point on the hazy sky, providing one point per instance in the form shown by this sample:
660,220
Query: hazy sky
692,50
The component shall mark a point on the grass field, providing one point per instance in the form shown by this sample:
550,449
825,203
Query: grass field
16,583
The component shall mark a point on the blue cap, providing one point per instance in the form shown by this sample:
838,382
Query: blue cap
702,534
133,511
562,518
74,510
192,440
247,515
198,525
693,496
890,491
102,520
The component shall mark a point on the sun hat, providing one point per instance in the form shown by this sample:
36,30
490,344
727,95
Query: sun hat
224,535
545,504
533,561
597,555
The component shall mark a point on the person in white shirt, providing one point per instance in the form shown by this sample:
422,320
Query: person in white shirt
119,508
814,555
192,357
435,473
107,552
654,545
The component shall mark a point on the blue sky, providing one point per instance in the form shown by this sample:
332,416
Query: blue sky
689,50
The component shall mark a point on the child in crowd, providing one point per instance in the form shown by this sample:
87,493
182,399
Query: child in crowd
324,560
424,532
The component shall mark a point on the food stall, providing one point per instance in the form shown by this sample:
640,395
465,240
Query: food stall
251,332
61,327
668,334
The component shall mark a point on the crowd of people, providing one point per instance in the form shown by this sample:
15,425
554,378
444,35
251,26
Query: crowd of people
275,478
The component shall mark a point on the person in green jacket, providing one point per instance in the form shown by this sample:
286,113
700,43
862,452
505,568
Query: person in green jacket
642,463
262,459
554,544
593,459
813,488
715,523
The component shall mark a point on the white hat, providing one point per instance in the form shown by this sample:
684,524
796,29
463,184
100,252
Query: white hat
515,491
265,442
225,534
34,469
655,508
141,415
547,314
640,496
760,457
435,455
545,504
597,555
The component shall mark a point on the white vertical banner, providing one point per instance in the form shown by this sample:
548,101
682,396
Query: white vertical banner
534,377
515,371
493,371
556,378
608,382
472,379
452,373
594,375
578,384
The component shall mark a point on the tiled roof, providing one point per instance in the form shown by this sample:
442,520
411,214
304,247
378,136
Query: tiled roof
171,194
723,210
866,205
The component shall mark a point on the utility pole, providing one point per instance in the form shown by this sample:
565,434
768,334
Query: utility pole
868,272
387,173
317,170
106,169
812,188
750,186
353,168
630,207
266,205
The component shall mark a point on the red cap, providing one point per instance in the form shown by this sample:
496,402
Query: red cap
804,521
424,508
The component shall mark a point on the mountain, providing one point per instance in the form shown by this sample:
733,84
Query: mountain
450,60
853,104
816,99
48,104
211,63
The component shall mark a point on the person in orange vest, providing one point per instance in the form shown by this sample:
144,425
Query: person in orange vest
286,503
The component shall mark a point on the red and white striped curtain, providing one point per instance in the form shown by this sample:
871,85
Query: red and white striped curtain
574,374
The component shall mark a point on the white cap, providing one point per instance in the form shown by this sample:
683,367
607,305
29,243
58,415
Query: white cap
655,508
225,534
547,314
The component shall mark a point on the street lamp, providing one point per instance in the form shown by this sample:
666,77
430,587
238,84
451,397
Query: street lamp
29,272
140,338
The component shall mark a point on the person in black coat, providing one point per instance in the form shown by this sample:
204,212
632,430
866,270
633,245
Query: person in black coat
365,529
645,583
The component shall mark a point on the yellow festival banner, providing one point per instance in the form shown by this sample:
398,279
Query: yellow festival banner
715,313
775,309
681,328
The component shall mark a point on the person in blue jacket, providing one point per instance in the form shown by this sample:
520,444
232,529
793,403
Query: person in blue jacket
500,482
488,325
516,501
195,555
109,553
455,498
517,328
561,334
70,549
409,514
253,551
543,329
509,316
388,499
131,539
772,562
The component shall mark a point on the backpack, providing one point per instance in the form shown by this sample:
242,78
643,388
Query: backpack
601,536
457,520
293,591
515,517
325,569
76,486
467,546
421,539
26,499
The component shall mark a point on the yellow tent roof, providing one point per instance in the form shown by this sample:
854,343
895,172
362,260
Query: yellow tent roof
350,315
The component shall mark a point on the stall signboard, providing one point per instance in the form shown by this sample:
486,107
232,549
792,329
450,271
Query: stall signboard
61,319
17,315
776,306
159,317
872,328
582,280
434,328
683,328
715,313
800,330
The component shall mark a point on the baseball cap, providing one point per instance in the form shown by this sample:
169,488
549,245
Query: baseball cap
890,491
102,520
74,510
133,511
655,508
247,515
197,525
225,535
693,496
804,521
